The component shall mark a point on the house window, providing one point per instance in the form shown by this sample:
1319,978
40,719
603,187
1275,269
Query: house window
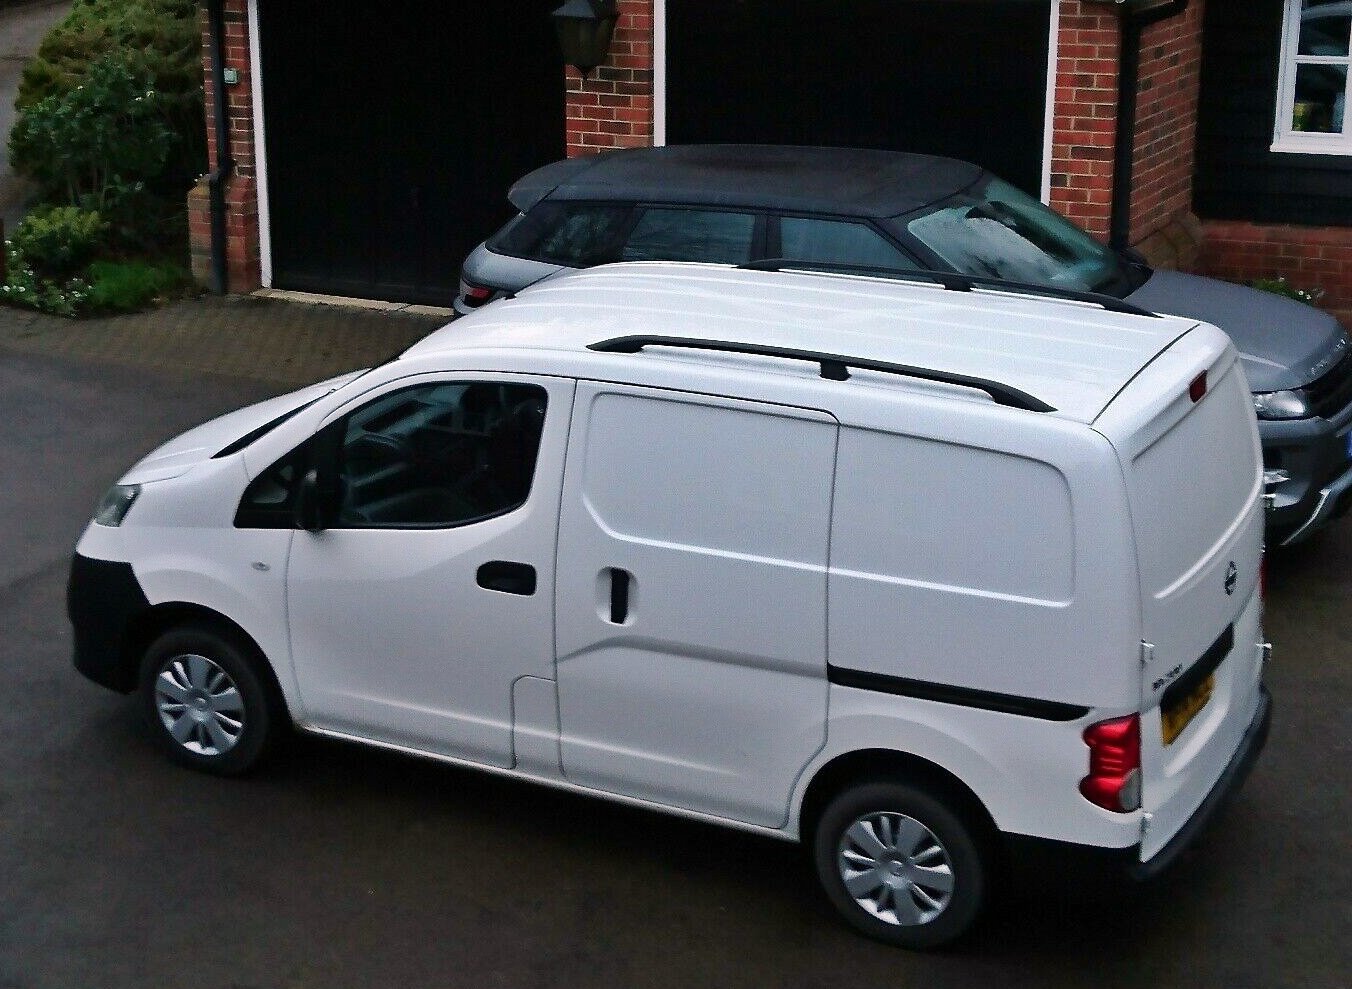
1316,65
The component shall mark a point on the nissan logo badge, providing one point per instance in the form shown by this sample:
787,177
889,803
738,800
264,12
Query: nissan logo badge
1231,577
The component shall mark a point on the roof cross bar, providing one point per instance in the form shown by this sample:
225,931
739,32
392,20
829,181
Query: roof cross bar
833,366
954,281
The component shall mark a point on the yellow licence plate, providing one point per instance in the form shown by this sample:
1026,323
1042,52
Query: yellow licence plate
1174,720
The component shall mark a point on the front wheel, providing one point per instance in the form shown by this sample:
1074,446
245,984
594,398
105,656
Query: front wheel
899,865
206,701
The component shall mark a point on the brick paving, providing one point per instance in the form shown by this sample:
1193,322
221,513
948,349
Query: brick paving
283,342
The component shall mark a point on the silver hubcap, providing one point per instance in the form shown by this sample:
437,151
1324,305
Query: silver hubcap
895,868
199,705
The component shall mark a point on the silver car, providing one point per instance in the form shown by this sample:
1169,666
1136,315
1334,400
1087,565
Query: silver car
740,204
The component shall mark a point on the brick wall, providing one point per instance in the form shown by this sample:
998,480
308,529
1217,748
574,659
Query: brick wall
1084,128
613,108
1162,225
1085,114
1309,257
241,189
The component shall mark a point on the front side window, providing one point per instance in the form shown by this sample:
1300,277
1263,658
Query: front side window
431,456
997,231
1316,65
839,242
439,455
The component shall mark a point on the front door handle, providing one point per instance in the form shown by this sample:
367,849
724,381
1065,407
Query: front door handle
508,577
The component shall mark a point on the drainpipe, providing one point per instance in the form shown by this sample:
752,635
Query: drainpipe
1134,21
224,164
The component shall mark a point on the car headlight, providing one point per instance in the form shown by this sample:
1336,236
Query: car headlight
1281,405
116,503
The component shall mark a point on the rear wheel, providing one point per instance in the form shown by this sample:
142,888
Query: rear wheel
207,703
900,865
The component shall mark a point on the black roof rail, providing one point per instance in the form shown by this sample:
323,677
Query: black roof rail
833,366
954,281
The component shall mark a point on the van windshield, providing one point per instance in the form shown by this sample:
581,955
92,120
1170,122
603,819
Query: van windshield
998,231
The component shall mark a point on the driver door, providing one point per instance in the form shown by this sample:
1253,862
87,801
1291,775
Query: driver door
429,587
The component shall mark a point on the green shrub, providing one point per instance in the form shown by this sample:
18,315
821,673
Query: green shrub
126,286
68,297
57,241
1280,286
160,42
101,136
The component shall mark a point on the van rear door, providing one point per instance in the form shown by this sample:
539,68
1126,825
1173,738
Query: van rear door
1186,434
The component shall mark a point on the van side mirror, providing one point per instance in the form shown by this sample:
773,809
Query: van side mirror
309,506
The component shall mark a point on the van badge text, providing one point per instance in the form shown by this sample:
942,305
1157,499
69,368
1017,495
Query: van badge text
1167,677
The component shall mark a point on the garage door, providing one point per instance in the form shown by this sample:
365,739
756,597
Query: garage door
964,78
393,131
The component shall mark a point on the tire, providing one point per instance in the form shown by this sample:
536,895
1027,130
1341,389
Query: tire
207,702
914,868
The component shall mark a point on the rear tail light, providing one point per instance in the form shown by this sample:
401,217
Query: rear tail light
1114,780
475,295
1197,387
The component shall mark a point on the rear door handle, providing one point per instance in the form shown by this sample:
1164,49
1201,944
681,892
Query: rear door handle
508,577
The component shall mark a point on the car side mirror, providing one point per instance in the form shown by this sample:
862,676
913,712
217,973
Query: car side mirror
309,504
1133,257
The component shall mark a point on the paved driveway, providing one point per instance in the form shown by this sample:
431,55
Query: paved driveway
337,866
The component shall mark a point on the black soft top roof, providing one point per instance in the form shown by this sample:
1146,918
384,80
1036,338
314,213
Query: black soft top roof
850,181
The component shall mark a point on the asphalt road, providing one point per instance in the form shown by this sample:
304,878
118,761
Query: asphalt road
21,31
337,866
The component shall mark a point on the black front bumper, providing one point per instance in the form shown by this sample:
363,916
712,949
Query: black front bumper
1314,452
102,599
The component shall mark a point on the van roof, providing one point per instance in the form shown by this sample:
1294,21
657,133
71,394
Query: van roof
1073,356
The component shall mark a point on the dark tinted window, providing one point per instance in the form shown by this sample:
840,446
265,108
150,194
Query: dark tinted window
573,234
269,502
439,455
691,235
803,239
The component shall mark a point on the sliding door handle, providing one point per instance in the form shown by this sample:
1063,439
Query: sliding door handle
619,595
508,577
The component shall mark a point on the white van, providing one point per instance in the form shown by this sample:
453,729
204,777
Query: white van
910,574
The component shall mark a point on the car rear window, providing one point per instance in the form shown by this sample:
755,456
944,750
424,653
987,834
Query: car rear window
567,233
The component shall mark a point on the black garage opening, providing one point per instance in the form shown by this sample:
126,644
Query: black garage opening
963,78
393,131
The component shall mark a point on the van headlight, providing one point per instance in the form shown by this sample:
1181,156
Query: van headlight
116,503
1281,405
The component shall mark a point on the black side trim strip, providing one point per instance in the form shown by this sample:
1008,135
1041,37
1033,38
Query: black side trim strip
985,700
1183,687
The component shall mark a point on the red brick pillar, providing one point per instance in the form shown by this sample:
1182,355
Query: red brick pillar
1162,225
241,188
1085,113
613,108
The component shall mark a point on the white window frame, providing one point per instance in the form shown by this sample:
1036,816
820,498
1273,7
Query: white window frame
1302,142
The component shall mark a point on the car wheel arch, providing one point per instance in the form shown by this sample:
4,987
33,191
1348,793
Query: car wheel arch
150,624
864,766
